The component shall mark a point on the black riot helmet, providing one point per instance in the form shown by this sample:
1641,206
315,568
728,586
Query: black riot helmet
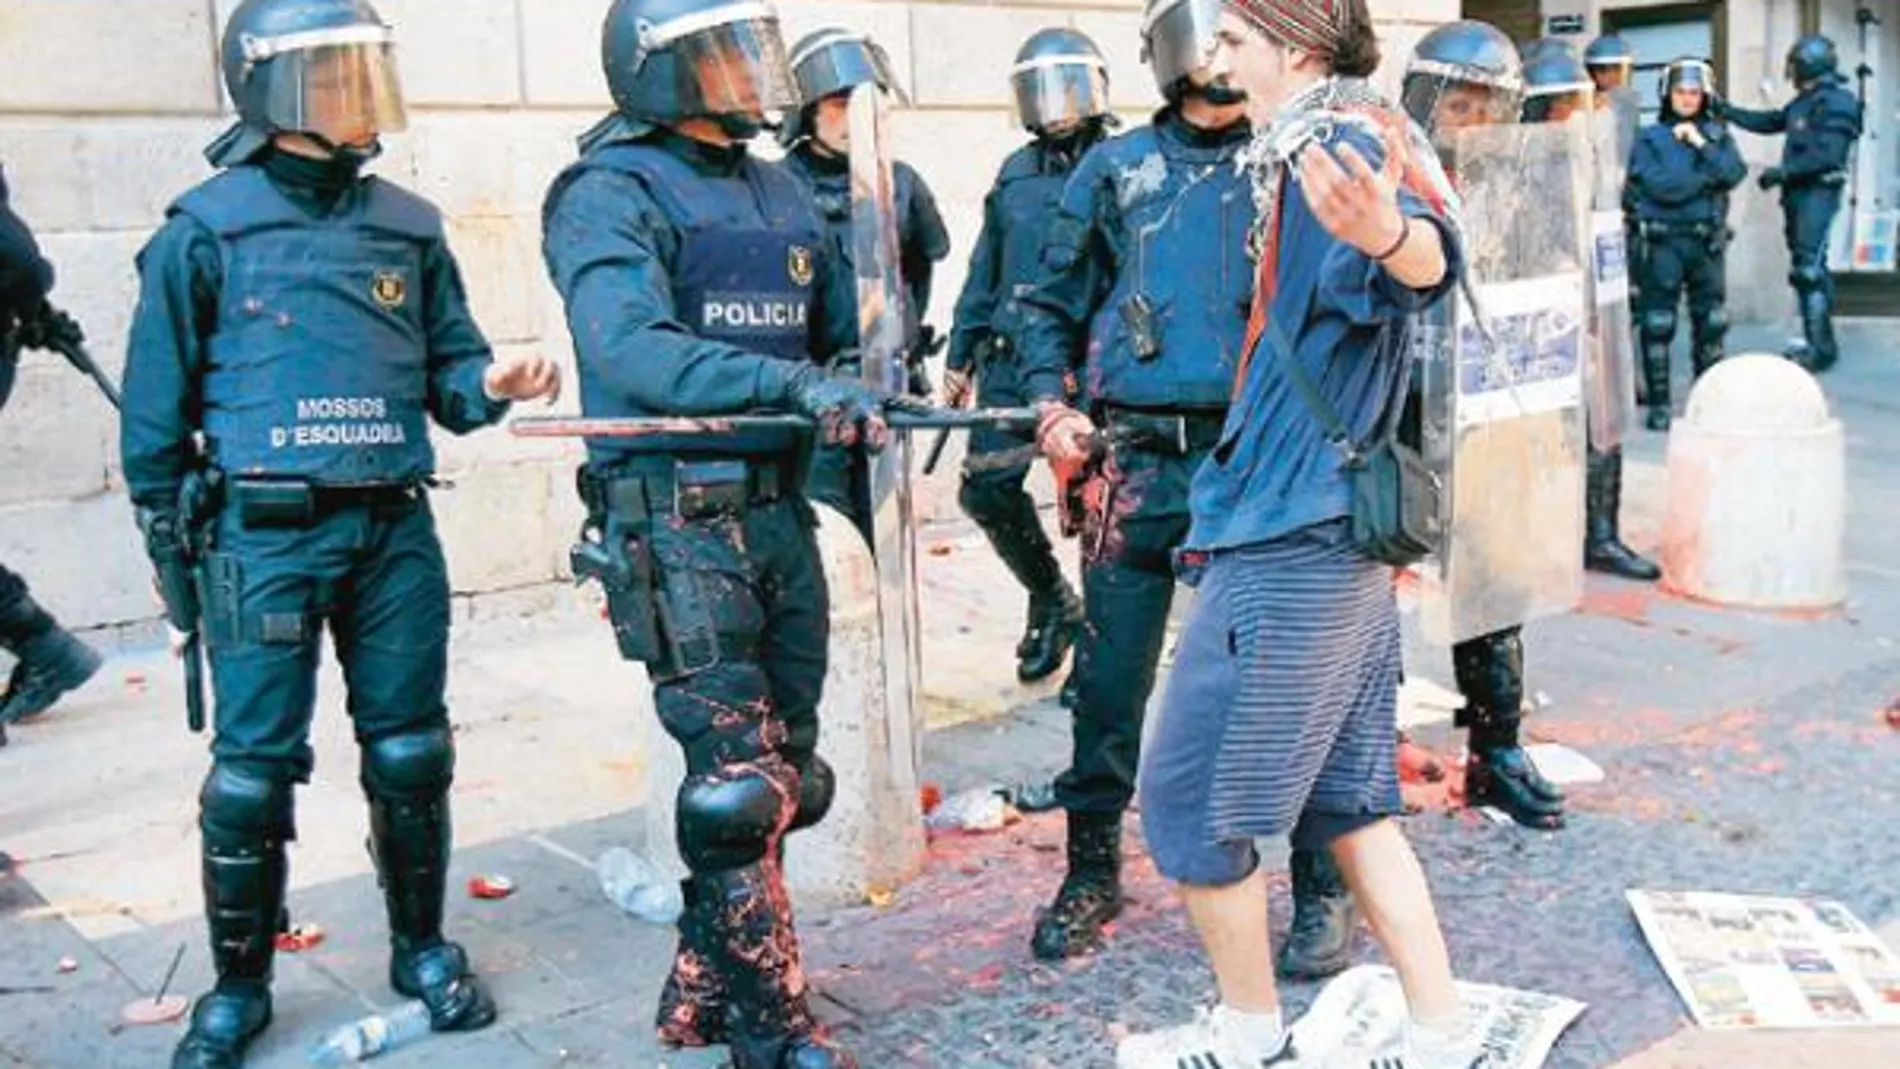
1059,78
1811,59
1556,86
1462,74
830,62
1177,40
668,60
322,68
1686,73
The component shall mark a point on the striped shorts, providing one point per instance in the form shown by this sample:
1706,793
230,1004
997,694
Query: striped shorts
1281,709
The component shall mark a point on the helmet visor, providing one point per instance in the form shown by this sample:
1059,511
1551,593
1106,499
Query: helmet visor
729,61
1178,38
1442,103
833,64
338,84
1051,90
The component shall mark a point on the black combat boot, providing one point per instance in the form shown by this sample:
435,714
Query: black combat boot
1820,351
406,780
51,661
245,821
1055,618
1091,894
1490,673
748,916
1603,548
1656,382
1319,944
693,1003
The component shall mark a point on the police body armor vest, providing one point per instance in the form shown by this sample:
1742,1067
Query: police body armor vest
1170,333
319,365
745,276
1028,192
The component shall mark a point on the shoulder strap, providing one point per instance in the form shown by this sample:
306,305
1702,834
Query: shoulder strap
1384,431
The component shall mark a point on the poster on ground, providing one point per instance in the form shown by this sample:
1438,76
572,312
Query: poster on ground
1745,961
1359,1017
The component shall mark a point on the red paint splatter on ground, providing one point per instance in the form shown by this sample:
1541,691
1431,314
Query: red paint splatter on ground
300,938
930,797
1620,602
1892,714
1418,764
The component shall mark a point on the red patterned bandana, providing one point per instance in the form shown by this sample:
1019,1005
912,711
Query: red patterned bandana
1311,26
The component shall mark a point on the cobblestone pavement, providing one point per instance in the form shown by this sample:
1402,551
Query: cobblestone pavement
1744,752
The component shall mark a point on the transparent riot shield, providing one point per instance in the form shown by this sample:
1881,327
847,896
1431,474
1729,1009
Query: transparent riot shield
1501,384
1609,380
881,319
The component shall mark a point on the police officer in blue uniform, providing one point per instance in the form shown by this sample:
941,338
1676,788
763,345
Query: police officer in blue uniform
1061,86
1822,123
827,65
695,275
50,661
309,321
1611,64
1681,172
1144,270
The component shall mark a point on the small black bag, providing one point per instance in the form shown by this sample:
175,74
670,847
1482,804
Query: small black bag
1397,515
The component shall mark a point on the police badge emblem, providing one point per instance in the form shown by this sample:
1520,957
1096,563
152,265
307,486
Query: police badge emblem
389,289
798,265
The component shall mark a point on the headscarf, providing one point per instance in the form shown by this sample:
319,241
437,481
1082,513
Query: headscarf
1316,27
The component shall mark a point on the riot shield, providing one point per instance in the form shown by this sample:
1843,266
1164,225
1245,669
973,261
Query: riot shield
881,319
1501,385
1609,380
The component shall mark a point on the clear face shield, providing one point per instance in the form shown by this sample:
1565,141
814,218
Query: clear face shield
1558,103
729,61
1056,92
837,62
340,85
1445,99
1179,37
1689,83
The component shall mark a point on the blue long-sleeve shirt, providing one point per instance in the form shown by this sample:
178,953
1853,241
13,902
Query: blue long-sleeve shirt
1671,181
1822,124
1274,472
181,276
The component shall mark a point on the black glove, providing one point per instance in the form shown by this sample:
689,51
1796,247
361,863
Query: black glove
46,327
846,410
1771,178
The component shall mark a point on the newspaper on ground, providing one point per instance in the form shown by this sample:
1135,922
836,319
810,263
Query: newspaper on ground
1360,1016
1746,961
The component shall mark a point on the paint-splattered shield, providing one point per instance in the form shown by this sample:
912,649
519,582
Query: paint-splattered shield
881,318
1609,381
1501,408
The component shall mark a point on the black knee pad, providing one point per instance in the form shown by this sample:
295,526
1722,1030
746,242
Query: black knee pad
816,790
1659,325
1713,324
729,822
1807,277
410,765
240,806
990,500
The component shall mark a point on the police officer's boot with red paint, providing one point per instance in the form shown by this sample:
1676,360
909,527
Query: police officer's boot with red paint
1490,673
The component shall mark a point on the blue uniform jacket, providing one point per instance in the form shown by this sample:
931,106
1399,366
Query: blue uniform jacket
1671,181
25,276
1822,124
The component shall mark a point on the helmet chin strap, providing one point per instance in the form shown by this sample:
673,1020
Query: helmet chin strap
356,154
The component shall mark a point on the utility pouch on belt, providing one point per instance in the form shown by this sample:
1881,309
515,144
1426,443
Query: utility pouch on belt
265,503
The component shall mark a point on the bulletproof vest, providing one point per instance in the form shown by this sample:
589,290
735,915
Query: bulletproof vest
1170,333
1028,192
318,366
745,274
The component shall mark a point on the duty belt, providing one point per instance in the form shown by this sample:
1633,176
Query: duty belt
679,487
1173,434
263,502
1659,228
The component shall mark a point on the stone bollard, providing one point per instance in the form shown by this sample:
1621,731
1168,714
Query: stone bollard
873,837
1756,516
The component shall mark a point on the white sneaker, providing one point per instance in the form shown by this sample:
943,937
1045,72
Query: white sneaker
1202,1044
1421,1051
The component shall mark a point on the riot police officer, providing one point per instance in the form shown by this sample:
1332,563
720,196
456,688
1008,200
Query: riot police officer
1611,63
1061,88
1681,172
1144,271
51,661
1556,89
827,65
694,275
308,321
1460,75
1822,124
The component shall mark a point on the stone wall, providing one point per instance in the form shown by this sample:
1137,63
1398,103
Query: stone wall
106,105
